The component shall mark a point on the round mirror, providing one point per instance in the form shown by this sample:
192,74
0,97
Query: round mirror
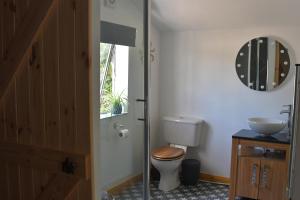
263,64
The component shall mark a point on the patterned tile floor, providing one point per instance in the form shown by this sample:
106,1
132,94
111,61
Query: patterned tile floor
201,191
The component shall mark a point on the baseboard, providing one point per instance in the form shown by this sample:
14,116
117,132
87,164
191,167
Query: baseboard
213,178
117,189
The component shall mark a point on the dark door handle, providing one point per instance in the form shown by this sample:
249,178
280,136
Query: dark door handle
68,166
141,100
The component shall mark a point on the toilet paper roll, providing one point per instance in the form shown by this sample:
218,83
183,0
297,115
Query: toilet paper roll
124,133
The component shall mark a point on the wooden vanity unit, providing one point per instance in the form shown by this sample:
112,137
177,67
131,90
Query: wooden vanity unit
259,166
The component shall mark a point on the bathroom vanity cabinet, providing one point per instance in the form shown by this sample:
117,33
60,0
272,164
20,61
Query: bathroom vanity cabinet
259,166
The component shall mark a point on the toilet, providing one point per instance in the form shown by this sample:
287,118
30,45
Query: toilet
179,132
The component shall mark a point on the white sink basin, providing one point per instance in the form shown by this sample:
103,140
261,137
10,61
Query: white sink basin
266,126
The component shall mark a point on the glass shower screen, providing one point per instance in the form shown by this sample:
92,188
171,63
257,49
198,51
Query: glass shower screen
123,116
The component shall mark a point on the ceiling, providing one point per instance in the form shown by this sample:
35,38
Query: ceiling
182,15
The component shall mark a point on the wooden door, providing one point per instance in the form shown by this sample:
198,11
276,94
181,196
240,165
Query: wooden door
248,177
273,180
44,100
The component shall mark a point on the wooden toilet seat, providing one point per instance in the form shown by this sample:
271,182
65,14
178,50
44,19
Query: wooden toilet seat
167,153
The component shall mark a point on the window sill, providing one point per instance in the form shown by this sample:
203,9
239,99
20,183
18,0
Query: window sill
109,115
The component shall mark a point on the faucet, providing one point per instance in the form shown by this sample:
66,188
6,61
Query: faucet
289,112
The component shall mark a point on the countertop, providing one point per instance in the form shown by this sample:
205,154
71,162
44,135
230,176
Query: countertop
252,135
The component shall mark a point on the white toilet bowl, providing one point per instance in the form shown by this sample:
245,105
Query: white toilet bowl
168,167
178,132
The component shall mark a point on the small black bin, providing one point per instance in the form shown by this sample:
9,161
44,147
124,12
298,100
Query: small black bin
190,171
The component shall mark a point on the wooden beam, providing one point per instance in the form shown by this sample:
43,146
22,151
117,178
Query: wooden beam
215,179
23,39
59,188
46,159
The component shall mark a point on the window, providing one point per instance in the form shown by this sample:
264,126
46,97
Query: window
114,60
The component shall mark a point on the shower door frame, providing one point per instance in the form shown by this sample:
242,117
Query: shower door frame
146,140
146,163
294,173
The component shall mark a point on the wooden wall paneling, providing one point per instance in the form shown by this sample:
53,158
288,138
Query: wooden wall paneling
44,158
40,181
21,8
82,64
11,110
9,22
24,133
3,166
2,122
60,187
85,190
3,181
5,24
13,13
36,104
67,74
82,87
28,3
73,195
50,53
47,102
36,92
82,76
1,30
12,137
23,39
22,101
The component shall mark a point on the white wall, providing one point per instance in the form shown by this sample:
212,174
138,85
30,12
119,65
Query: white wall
198,78
121,158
